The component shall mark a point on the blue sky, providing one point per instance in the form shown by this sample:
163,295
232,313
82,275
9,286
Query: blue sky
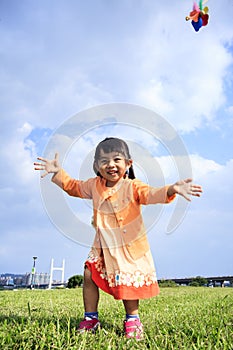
59,58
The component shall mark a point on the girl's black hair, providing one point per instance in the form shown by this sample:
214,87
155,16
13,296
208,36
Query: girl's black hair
113,144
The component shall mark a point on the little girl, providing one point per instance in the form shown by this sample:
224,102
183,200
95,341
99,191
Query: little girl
120,260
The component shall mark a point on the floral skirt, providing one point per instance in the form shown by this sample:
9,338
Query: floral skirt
122,285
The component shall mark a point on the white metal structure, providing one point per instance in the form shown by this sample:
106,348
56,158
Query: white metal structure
53,268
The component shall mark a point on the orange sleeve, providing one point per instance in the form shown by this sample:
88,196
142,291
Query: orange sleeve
73,187
151,195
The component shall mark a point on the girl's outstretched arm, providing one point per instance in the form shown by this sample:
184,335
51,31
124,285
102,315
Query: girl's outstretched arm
49,166
185,188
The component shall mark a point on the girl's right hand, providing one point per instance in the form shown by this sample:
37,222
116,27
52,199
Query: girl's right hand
49,166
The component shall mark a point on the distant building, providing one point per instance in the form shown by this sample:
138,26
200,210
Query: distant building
25,280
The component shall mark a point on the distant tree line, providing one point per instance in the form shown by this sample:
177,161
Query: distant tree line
75,281
195,282
167,283
198,282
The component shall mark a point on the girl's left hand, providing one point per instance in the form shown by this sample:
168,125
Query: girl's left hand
185,188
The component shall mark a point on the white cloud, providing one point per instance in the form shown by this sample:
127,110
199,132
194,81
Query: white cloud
17,157
72,92
202,243
204,167
201,168
230,110
25,129
184,72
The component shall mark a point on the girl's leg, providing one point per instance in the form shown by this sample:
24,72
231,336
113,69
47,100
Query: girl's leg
133,327
131,307
90,293
90,300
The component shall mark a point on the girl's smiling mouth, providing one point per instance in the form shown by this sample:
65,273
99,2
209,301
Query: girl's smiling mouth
112,172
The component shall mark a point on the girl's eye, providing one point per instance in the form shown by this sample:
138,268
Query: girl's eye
103,161
106,161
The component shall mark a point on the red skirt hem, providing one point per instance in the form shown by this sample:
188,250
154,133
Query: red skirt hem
123,292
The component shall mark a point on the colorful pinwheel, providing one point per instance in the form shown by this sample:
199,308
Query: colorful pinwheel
199,16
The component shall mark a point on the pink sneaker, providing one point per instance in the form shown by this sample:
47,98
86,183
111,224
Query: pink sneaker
133,329
88,324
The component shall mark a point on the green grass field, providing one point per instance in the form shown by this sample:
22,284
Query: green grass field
179,318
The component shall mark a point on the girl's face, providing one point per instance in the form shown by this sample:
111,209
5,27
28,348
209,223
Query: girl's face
112,166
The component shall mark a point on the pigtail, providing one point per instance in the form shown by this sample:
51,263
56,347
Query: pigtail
131,174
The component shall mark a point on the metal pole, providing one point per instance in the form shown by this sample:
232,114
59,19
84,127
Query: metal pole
33,272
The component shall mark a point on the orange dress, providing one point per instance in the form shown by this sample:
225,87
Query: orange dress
120,258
